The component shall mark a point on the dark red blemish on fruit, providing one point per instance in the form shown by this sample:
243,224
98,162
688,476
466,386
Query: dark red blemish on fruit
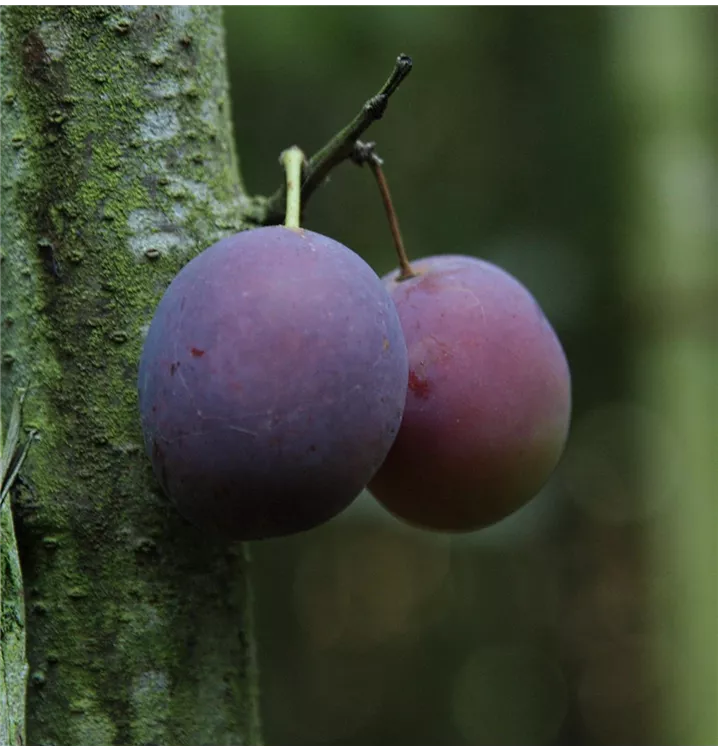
418,386
195,352
173,367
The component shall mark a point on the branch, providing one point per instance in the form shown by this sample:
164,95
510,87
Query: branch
341,146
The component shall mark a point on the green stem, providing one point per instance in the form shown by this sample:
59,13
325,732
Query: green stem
293,160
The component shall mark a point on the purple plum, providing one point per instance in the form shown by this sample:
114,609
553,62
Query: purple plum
489,399
271,383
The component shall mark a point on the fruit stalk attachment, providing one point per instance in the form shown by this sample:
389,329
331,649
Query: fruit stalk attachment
341,146
364,153
293,161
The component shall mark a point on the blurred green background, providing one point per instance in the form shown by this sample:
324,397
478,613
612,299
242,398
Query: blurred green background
575,148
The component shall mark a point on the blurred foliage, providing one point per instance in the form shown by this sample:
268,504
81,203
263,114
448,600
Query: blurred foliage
511,140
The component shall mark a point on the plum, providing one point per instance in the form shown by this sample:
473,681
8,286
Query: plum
271,383
489,398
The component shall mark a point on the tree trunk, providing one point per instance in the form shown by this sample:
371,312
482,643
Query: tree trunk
117,167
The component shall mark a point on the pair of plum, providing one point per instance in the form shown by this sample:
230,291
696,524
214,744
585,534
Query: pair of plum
280,376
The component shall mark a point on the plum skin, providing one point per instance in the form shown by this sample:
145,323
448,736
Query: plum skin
489,399
271,383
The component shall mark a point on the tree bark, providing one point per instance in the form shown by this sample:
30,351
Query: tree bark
117,168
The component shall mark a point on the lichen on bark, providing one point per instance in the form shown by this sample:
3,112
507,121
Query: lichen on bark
117,167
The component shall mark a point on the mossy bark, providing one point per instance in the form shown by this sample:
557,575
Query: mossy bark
117,168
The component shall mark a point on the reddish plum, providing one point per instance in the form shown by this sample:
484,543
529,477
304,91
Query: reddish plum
489,399
271,383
